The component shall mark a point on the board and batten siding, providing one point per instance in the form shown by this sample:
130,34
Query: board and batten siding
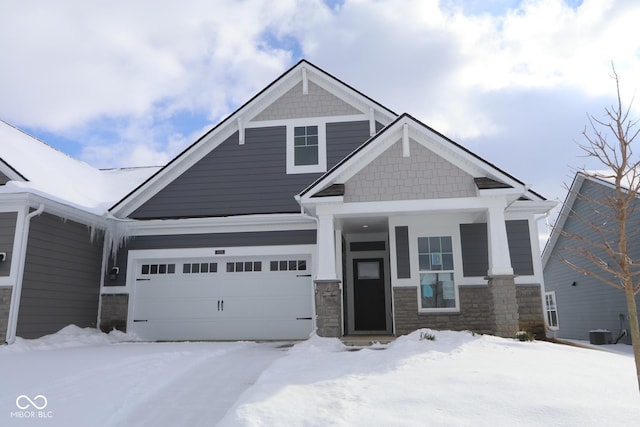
7,235
475,248
251,178
61,282
211,240
584,303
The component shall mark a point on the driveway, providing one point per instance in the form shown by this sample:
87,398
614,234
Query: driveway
129,384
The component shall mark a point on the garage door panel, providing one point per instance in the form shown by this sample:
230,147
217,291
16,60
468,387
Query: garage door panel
242,298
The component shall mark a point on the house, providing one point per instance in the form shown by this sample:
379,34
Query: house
52,224
577,303
313,207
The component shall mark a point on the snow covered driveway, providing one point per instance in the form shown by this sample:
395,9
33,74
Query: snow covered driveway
81,377
88,379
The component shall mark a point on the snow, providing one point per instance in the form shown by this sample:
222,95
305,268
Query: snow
457,379
56,176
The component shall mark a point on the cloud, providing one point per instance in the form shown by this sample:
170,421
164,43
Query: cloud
136,82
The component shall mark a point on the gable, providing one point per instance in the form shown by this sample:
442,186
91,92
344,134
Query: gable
422,175
304,98
249,178
317,102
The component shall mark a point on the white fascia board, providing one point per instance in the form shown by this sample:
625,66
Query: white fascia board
9,172
244,223
55,208
392,207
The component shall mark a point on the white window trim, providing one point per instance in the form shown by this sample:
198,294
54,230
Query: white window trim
322,148
455,272
546,310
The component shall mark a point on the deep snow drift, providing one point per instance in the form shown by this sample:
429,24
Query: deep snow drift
90,378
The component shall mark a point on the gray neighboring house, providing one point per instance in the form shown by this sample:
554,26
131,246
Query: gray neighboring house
314,208
51,235
576,304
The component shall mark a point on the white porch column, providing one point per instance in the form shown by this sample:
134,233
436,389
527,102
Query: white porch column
326,249
499,258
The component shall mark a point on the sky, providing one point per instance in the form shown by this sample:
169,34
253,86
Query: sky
122,83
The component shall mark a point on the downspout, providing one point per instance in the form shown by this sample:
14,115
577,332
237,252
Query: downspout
17,290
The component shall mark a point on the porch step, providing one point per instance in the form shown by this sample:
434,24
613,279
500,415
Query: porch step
366,340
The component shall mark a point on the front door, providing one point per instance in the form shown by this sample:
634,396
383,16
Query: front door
369,295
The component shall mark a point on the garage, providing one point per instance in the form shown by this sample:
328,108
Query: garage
266,297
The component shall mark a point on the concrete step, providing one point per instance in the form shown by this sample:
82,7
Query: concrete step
366,340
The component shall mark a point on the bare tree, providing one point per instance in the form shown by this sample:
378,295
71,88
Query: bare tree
606,245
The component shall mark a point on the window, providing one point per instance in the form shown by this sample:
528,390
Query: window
290,265
204,267
305,145
551,309
437,285
246,266
306,148
158,269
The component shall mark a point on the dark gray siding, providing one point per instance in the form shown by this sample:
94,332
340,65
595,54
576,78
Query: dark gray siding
212,240
61,282
475,248
7,234
402,252
245,179
520,247
590,304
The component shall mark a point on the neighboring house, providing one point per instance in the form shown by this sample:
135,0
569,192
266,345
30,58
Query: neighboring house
578,303
313,207
52,217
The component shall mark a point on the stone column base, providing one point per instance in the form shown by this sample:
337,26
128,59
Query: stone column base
113,312
505,305
328,298
5,308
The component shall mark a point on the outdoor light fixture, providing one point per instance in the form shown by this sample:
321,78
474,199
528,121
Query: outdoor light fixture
3,256
113,274
574,284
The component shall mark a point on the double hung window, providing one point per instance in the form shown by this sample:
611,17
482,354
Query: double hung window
437,285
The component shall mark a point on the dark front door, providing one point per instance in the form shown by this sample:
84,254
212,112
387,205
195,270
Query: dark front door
368,295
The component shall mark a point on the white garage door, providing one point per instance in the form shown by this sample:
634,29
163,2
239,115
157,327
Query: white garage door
253,298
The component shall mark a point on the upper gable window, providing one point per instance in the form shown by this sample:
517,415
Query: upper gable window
305,145
306,148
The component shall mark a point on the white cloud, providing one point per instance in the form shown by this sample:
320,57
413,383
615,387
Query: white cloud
72,67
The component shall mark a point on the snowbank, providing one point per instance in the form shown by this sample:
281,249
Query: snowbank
68,337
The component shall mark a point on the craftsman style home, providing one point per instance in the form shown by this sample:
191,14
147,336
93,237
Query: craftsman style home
310,208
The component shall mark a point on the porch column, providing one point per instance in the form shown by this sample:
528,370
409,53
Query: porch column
500,277
326,249
499,258
328,292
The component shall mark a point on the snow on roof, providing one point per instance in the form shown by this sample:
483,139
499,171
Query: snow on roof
56,176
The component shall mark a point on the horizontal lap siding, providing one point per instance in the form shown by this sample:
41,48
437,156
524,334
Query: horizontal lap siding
7,234
61,280
475,248
251,178
590,304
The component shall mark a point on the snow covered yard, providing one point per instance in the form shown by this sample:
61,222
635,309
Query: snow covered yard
89,378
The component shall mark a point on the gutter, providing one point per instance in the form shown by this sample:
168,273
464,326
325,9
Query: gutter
17,289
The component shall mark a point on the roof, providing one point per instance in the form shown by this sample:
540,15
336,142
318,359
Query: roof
495,177
37,168
209,141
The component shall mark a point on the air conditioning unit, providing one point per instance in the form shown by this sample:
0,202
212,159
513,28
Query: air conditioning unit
600,337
